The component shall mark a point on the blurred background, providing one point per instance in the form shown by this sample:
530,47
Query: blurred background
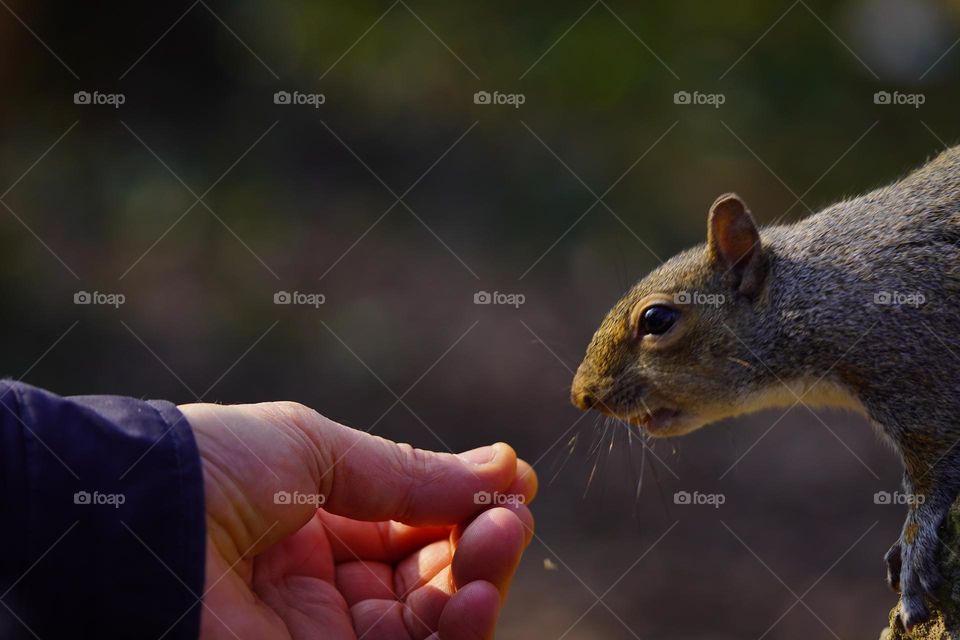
201,159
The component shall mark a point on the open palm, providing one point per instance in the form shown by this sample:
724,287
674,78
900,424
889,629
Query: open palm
398,550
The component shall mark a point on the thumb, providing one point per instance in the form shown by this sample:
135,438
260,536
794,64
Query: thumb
258,458
369,478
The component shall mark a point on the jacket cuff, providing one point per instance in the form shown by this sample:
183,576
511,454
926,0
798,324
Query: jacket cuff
105,526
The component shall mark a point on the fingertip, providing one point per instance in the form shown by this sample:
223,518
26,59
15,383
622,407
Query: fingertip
508,523
471,612
490,548
505,457
528,523
496,453
383,480
498,470
526,482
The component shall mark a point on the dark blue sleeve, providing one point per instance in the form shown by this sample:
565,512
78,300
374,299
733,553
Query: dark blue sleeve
102,525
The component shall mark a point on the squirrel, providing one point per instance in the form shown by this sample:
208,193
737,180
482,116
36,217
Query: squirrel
856,306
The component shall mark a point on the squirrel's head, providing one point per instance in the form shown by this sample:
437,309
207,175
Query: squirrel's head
665,357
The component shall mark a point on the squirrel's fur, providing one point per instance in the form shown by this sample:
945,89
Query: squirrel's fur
856,306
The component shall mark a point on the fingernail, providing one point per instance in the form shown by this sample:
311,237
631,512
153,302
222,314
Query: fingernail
483,455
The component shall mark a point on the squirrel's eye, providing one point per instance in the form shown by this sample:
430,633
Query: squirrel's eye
657,320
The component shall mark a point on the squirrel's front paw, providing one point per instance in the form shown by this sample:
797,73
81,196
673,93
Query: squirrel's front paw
919,579
913,611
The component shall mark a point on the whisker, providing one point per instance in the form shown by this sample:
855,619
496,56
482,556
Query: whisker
645,407
632,466
596,428
571,445
605,460
630,444
599,450
639,479
643,468
643,462
656,479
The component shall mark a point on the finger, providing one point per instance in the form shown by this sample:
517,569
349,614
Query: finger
525,483
381,541
377,620
418,569
471,614
490,549
369,478
519,510
425,605
359,580
301,460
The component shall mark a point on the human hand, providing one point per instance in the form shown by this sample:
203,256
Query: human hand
394,552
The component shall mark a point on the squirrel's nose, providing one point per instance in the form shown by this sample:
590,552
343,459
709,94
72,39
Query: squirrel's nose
583,400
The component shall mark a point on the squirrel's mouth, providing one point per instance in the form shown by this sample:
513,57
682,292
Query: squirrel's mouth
660,422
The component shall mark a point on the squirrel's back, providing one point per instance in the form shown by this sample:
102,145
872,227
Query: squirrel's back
922,210
905,235
885,264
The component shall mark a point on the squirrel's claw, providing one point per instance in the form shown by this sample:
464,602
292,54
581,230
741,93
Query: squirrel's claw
913,611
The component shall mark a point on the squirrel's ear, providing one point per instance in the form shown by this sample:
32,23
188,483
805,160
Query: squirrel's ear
734,244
